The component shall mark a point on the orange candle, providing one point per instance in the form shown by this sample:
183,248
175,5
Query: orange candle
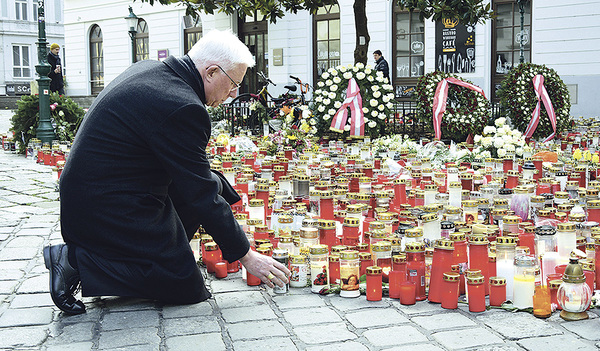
374,282
408,293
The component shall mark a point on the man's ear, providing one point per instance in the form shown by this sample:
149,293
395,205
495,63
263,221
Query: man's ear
210,72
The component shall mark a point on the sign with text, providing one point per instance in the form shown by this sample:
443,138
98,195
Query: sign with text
454,46
18,89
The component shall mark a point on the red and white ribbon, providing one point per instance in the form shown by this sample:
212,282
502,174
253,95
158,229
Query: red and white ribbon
357,117
440,99
542,94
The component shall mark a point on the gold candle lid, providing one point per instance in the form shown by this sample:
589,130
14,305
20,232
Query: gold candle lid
374,270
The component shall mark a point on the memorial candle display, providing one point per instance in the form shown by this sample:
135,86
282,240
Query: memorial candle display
478,256
449,288
505,256
349,274
415,268
442,262
319,267
374,281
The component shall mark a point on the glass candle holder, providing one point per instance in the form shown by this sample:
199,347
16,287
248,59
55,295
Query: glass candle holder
497,291
478,256
327,232
319,267
349,273
431,227
566,240
366,260
505,257
213,255
524,281
382,257
374,283
351,231
334,268
455,194
449,287
397,276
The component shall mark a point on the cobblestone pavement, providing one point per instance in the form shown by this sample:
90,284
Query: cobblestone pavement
238,317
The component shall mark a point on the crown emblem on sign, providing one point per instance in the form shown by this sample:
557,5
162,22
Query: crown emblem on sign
450,23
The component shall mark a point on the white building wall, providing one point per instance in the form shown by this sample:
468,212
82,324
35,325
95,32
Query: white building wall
13,31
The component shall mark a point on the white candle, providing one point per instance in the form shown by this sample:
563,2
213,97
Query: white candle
505,269
523,290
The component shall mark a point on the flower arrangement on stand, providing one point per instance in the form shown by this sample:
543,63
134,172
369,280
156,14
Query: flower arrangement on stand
376,93
518,99
296,132
467,111
499,140
389,144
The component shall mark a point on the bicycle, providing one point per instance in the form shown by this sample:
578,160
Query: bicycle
259,107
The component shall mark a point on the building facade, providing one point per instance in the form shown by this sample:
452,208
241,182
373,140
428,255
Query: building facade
18,37
562,34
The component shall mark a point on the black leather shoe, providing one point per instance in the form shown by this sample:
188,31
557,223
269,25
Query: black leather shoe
64,279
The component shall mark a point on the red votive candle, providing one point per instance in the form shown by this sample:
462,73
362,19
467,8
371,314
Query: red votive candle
560,269
397,276
366,260
415,268
476,292
441,263
213,255
553,285
334,269
252,280
450,290
478,256
221,269
233,267
552,276
408,293
497,291
374,282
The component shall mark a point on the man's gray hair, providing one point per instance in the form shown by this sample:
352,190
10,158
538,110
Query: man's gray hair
220,47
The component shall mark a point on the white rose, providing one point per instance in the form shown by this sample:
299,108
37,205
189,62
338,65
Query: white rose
368,70
360,65
375,87
486,141
313,130
319,99
326,101
381,116
489,130
325,75
370,78
342,69
337,104
377,94
498,142
334,72
326,117
379,79
333,87
391,96
331,95
328,82
313,122
379,74
331,111
519,151
347,128
477,139
374,113
501,152
337,80
373,102
389,105
381,107
320,84
499,122
365,110
360,76
355,68
321,108
347,75
385,98
509,147
372,124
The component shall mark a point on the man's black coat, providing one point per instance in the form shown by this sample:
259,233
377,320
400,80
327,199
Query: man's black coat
137,184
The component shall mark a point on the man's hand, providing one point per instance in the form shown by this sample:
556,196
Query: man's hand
262,267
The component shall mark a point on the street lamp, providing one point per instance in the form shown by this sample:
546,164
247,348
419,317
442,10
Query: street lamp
522,36
44,131
132,22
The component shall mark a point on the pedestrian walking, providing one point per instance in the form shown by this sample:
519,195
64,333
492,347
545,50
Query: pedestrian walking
57,84
381,64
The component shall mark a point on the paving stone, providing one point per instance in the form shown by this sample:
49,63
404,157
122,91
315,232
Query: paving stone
418,347
31,300
198,309
190,325
128,337
231,284
473,337
299,301
124,304
256,330
73,333
344,304
37,284
265,344
22,337
234,315
421,307
453,320
212,342
10,265
239,299
40,221
584,329
13,274
92,314
135,348
343,346
311,316
15,317
80,346
21,211
22,199
18,253
124,320
25,241
317,334
35,232
555,343
518,325
7,286
394,336
374,317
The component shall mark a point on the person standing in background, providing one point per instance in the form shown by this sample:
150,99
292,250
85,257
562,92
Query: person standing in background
381,64
57,84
